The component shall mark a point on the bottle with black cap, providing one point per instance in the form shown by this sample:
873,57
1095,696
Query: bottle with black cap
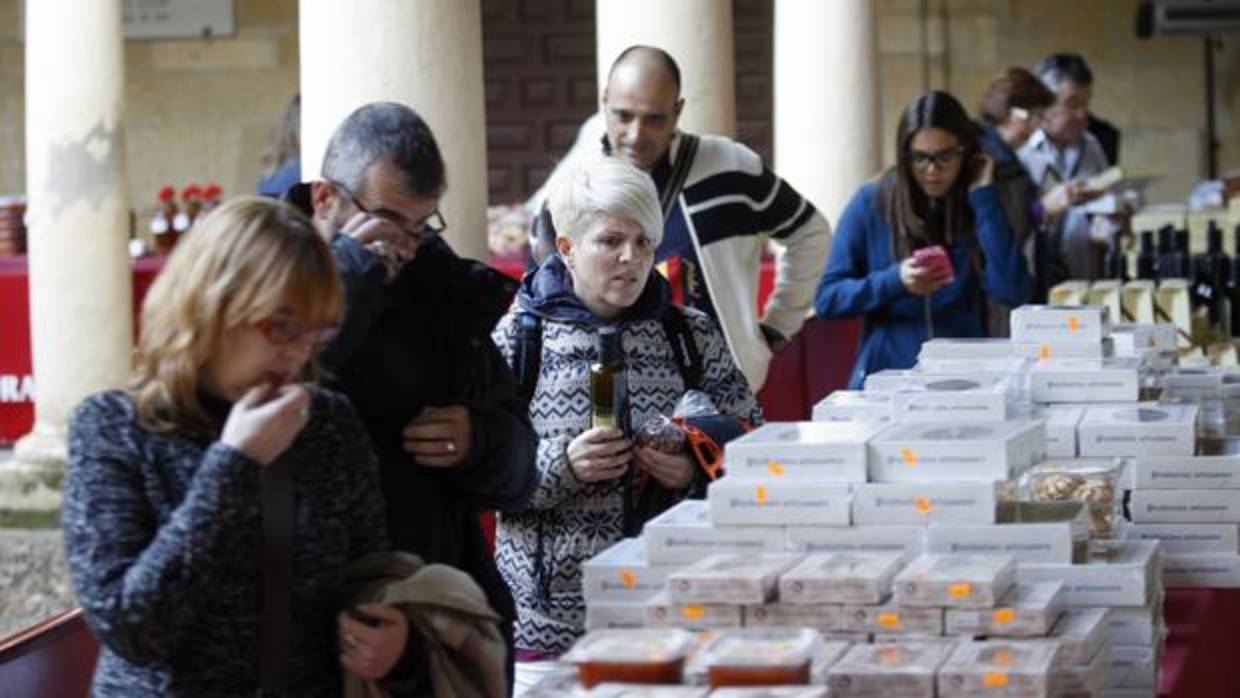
1233,283
1211,301
1116,262
1168,265
609,382
1147,260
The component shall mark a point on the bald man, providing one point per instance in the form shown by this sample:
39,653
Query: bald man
719,201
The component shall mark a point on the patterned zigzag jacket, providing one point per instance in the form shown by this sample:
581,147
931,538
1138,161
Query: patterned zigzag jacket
540,550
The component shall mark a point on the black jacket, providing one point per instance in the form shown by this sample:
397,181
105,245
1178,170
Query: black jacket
424,340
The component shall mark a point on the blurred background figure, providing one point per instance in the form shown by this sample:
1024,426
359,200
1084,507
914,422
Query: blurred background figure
282,159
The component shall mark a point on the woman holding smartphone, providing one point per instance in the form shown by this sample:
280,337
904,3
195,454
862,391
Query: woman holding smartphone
917,252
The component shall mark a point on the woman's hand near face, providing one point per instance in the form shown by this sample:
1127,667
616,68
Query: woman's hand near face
922,280
598,454
265,421
675,472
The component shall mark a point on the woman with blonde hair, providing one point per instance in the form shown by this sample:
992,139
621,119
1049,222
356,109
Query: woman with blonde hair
210,508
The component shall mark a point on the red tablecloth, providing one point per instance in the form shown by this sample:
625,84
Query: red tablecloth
16,383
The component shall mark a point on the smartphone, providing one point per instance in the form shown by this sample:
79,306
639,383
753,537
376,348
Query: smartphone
935,257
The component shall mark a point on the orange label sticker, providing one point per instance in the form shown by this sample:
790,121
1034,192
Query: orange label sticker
963,590
889,621
891,656
923,505
1004,616
994,679
628,579
693,612
760,495
1003,657
1074,324
1044,352
776,468
908,456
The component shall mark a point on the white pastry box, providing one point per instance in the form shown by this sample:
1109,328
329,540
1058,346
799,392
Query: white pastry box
662,612
900,670
905,540
887,503
1186,472
1081,633
773,500
1119,573
621,574
684,534
730,579
1184,506
1032,532
603,615
824,618
1043,323
1061,425
1028,610
1201,570
1188,539
966,400
1085,380
823,451
892,618
853,406
855,578
1142,429
955,581
955,452
1015,668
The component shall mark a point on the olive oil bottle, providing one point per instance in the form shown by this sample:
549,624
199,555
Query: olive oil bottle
609,394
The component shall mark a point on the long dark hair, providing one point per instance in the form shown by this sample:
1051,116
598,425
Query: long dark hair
913,220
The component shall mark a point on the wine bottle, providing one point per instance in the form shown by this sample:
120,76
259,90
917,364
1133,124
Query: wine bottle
609,383
1146,259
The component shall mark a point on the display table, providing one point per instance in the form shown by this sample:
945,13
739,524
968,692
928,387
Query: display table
16,383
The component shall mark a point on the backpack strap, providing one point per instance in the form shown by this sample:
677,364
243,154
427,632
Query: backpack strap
684,347
527,354
685,153
527,351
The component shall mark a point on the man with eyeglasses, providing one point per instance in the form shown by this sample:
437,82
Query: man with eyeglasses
414,352
1063,151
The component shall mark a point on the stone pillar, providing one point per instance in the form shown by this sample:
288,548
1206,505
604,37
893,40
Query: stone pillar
826,103
80,281
425,54
698,34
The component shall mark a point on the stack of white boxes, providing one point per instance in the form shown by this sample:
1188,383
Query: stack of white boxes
926,461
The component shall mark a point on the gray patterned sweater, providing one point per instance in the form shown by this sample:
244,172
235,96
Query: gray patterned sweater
540,550
162,534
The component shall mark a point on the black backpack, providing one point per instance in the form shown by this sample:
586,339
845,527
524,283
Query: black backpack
527,350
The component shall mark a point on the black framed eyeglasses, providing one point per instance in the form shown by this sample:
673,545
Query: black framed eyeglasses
941,160
434,224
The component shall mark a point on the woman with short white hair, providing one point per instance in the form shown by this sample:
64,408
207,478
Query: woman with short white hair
595,485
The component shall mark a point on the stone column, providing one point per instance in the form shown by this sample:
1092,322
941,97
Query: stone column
425,54
80,281
698,34
827,118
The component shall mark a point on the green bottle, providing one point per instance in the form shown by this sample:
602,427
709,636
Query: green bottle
608,383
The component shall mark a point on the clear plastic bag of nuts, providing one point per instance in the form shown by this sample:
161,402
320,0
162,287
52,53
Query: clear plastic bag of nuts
1096,482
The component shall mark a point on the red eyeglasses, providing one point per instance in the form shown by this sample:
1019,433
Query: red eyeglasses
280,331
